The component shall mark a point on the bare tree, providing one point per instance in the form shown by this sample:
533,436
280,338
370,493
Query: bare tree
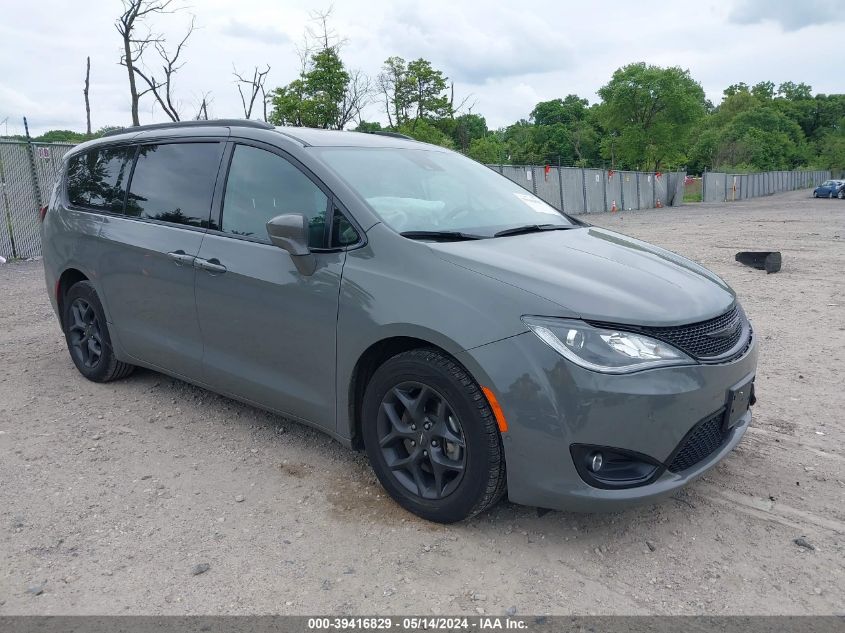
162,90
465,102
325,36
134,13
255,87
359,94
202,111
85,92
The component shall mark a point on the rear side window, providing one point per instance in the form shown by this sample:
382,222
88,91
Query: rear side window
174,182
262,185
97,179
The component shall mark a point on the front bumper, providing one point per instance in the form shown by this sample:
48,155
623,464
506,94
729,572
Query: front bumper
551,403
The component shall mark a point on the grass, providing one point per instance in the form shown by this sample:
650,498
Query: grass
692,190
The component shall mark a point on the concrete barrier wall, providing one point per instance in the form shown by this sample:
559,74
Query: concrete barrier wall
590,190
722,187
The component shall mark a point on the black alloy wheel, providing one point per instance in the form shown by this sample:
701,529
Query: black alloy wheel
87,335
422,440
431,436
84,334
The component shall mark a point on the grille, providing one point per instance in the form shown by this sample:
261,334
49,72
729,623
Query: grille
693,339
700,443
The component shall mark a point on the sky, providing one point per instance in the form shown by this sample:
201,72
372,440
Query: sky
504,57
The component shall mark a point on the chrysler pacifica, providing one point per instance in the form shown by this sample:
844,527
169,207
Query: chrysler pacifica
406,300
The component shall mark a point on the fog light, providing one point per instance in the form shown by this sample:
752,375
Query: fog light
608,467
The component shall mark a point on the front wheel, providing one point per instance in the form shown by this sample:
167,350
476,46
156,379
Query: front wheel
87,335
431,437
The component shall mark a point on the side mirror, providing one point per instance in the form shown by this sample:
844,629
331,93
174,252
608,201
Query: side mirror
290,233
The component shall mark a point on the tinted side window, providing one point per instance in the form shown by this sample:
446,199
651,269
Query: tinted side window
97,179
343,233
262,185
174,182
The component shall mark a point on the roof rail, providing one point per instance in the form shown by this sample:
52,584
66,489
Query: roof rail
181,124
393,134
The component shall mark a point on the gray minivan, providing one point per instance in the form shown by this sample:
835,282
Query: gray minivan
407,301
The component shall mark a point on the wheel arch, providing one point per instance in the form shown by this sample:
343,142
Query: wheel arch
68,278
370,360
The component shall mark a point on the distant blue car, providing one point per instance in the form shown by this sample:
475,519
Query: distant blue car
830,189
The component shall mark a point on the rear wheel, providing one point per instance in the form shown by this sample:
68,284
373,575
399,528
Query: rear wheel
830,195
431,437
87,336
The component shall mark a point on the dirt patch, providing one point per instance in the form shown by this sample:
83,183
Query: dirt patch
112,494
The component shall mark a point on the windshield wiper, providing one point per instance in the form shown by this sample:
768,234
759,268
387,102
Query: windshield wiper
533,228
446,236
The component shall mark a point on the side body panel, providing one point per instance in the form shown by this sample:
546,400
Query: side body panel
270,331
150,296
68,237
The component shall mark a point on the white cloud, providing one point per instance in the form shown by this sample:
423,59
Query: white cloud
789,14
506,55
254,33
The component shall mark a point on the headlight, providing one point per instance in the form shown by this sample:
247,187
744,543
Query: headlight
604,350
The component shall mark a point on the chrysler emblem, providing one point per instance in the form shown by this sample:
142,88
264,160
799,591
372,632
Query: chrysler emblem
725,332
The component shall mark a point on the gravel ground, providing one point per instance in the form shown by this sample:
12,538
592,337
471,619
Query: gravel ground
113,497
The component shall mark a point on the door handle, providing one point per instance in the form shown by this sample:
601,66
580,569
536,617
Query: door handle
180,257
212,265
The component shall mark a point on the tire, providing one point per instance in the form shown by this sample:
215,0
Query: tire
87,336
815,194
841,195
830,195
418,408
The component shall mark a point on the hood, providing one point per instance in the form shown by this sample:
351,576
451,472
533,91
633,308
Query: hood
599,275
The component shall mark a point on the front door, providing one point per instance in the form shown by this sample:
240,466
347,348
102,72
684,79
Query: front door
269,331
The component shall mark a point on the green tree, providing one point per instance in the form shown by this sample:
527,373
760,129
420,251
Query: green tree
568,110
831,154
735,88
413,91
795,92
426,132
428,87
521,144
396,89
316,98
369,127
764,90
489,149
652,111
62,136
463,129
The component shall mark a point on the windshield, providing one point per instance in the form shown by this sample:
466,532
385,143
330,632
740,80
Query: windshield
420,190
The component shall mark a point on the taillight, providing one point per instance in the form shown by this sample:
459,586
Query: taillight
41,213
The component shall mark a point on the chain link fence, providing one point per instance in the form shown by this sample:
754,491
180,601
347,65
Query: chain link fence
583,190
722,187
27,174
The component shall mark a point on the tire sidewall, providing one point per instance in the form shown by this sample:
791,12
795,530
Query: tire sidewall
460,503
85,290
